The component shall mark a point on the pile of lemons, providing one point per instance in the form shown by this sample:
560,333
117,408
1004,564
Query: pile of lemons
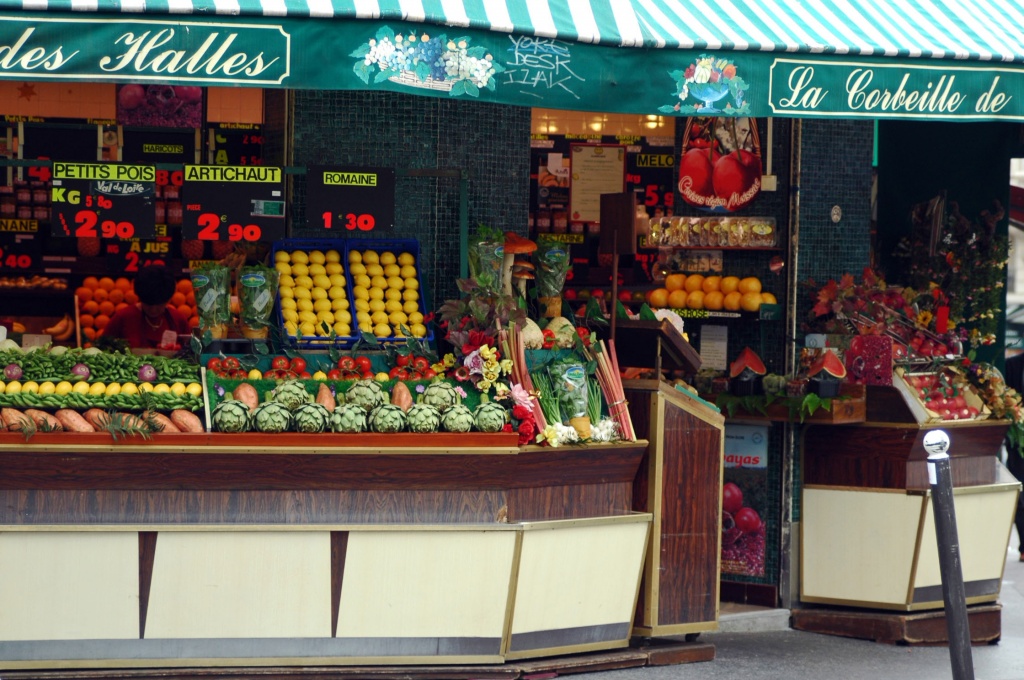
99,389
312,290
386,293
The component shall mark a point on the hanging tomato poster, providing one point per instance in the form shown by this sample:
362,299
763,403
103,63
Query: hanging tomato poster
720,163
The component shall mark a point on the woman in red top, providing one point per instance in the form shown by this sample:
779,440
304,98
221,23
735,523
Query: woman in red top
144,324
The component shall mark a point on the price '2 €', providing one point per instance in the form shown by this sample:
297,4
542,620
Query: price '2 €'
15,261
211,229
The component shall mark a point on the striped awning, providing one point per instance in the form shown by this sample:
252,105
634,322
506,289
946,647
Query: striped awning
980,30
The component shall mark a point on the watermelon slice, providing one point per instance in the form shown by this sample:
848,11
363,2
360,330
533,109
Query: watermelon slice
830,364
747,360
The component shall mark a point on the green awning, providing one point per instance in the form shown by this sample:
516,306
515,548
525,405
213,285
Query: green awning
877,58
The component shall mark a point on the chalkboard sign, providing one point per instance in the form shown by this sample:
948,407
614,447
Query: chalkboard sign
347,199
104,200
233,203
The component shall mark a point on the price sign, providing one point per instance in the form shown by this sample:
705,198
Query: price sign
236,144
19,252
233,203
128,257
103,200
346,199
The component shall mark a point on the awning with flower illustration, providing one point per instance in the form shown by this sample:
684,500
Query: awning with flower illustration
846,58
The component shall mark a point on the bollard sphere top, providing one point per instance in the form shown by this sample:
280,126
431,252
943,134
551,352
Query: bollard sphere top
936,442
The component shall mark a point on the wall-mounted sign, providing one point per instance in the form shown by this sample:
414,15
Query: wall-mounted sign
127,257
595,169
350,199
103,200
19,252
233,203
720,163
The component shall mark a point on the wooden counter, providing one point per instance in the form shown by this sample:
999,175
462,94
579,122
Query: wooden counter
250,550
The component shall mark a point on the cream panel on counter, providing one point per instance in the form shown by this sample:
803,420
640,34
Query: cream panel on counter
241,584
69,586
426,584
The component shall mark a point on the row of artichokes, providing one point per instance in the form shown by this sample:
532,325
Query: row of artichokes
363,407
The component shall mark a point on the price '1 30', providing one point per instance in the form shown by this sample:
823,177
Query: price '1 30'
210,229
364,222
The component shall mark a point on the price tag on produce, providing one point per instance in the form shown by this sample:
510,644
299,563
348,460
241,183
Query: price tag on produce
103,200
19,252
128,257
233,203
347,199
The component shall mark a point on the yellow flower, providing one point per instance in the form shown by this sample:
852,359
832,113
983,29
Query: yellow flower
500,389
449,360
488,352
506,366
491,376
548,435
924,319
484,385
439,368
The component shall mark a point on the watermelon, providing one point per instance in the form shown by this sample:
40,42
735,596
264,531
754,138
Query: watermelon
747,360
830,364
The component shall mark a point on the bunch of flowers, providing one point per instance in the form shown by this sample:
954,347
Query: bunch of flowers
1002,400
871,300
482,366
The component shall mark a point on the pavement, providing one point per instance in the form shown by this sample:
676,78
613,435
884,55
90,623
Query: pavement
776,652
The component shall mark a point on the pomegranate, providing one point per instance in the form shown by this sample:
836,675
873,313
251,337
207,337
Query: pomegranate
131,96
188,93
732,498
747,520
730,532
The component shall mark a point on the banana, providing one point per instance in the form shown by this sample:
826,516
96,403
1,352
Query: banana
68,332
18,327
60,327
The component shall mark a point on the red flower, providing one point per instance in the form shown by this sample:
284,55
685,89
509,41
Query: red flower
521,412
508,428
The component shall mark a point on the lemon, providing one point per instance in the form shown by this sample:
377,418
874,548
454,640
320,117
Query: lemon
131,389
323,305
196,389
336,293
145,387
283,268
79,388
374,270
360,293
319,375
371,257
316,270
290,315
299,269
325,316
291,328
342,329
47,388
392,294
419,330
406,258
392,306
415,318
410,293
392,270
322,281
362,280
357,269
3,387
282,256
318,293
382,377
304,305
334,268
343,316
397,282
337,280
407,272
113,389
410,306
288,303
412,284
307,328
354,256
387,257
254,374
322,330
302,294
398,319
300,257
376,293
161,388
382,330
304,281
178,389
362,305
30,387
307,317
317,257
379,317
363,317
287,293
62,388
332,256
401,331
377,305
97,389
366,327
286,280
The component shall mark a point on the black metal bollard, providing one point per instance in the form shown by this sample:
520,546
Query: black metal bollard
936,443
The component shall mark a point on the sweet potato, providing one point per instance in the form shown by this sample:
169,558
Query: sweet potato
325,397
160,421
248,395
73,421
44,421
401,396
97,417
186,421
13,418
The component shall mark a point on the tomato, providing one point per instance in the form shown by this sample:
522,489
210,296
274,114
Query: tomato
368,375
297,364
732,498
747,520
215,364
403,359
429,374
363,364
231,364
279,363
350,375
239,374
415,375
420,364
347,363
305,375
334,374
393,373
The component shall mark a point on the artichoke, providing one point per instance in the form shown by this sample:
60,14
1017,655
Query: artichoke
271,416
440,395
311,418
292,393
490,416
366,393
423,418
231,415
387,418
348,418
457,419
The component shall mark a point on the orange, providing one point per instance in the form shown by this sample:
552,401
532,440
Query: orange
100,294
184,286
90,282
83,293
89,332
659,297
694,282
751,284
768,299
193,322
677,299
85,320
732,301
185,311
675,282
130,297
101,321
119,306
106,283
190,299
750,302
178,299
729,284
712,283
90,307
107,307
123,284
695,300
116,296
713,300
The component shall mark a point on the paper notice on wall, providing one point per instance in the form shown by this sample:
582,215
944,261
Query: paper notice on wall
557,166
714,346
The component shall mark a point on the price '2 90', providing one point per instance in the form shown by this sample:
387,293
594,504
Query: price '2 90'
87,221
210,229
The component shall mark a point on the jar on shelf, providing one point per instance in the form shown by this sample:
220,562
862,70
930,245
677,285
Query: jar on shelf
23,195
161,212
543,221
24,212
174,213
8,208
560,221
40,196
41,213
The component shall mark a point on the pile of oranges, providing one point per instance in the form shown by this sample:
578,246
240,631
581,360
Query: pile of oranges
696,291
99,298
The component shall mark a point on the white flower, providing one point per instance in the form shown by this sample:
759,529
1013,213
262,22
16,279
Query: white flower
684,93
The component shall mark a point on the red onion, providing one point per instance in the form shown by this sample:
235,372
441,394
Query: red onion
12,372
81,370
147,373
